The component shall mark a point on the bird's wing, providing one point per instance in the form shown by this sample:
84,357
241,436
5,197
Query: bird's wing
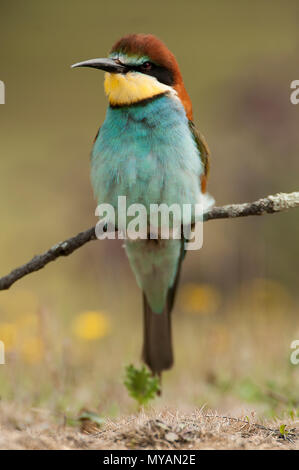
204,154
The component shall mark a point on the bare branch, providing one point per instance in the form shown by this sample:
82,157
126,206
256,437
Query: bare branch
268,205
64,248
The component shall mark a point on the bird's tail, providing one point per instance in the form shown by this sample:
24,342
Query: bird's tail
157,342
157,350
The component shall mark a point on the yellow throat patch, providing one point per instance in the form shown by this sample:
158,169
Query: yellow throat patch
125,89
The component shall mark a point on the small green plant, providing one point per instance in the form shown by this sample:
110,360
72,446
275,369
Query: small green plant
141,384
282,431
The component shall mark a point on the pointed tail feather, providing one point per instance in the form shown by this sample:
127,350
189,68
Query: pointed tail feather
157,350
157,341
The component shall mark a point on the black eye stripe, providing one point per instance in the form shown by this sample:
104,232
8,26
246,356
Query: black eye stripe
162,74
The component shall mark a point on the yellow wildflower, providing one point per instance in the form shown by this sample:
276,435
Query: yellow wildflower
200,298
91,325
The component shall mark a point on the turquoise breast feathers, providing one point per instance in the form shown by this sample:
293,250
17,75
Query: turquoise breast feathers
147,153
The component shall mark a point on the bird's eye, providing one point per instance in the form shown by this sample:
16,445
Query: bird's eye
146,66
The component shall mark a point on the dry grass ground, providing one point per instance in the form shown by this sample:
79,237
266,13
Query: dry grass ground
163,429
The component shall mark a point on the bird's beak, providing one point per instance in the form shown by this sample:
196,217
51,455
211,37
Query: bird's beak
108,65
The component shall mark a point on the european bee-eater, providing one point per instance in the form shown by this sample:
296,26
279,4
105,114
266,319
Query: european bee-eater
149,151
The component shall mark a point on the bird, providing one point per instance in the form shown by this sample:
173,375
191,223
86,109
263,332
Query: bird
149,150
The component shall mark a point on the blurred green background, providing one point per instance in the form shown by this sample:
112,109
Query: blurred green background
71,328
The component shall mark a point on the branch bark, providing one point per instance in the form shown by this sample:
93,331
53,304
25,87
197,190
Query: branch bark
268,205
